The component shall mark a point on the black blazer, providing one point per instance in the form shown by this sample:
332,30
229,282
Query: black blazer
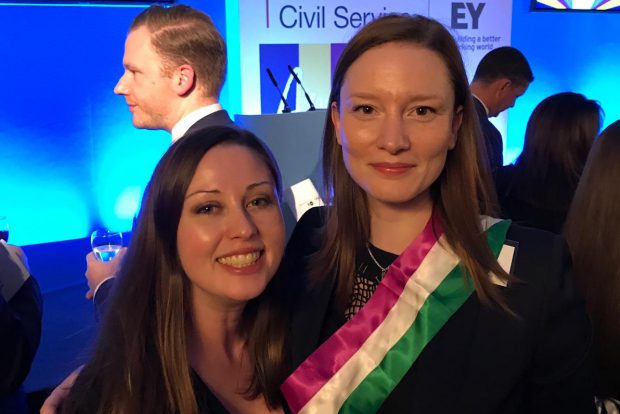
482,360
492,138
218,118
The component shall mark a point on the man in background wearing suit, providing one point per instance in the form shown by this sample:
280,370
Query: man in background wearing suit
175,66
502,76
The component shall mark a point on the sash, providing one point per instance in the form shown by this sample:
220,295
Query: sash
356,368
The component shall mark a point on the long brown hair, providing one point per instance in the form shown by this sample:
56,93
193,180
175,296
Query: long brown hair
461,194
183,35
140,362
591,231
558,138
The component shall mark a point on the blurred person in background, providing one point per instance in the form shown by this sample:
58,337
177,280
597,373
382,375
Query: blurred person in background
592,234
502,76
537,190
20,326
175,66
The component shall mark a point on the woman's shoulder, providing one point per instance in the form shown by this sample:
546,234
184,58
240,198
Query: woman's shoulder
313,218
540,267
534,236
538,254
544,293
303,243
536,240
503,176
505,170
305,237
543,277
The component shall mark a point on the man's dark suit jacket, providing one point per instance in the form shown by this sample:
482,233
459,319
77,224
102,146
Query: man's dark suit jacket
218,118
483,360
492,138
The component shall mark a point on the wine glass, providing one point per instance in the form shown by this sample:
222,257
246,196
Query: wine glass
4,228
106,244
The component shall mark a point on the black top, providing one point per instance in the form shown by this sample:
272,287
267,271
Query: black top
367,277
545,211
482,360
206,400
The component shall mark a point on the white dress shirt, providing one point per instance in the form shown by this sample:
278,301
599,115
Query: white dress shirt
180,128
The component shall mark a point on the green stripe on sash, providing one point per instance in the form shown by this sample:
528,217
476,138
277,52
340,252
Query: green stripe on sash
438,308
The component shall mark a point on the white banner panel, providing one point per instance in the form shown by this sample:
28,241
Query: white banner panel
309,35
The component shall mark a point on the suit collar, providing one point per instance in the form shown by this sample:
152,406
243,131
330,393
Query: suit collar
481,104
185,123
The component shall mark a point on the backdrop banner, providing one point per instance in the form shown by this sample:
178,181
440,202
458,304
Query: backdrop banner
310,35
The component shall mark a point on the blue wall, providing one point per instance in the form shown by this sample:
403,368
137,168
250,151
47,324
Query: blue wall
568,51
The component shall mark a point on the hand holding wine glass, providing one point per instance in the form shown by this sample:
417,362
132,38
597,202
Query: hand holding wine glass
98,272
104,260
106,244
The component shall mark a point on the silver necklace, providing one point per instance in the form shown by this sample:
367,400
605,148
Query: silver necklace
383,269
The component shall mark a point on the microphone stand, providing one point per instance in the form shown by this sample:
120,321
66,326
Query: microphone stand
286,108
312,108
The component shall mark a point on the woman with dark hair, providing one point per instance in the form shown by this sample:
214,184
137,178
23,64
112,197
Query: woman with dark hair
537,190
592,234
418,300
187,328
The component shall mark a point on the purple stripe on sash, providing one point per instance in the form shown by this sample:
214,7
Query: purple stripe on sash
323,363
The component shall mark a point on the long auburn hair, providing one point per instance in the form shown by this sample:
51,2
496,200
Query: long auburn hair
461,193
591,231
140,362
558,138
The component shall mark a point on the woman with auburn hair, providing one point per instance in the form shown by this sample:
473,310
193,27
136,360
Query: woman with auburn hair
592,234
187,328
537,190
418,300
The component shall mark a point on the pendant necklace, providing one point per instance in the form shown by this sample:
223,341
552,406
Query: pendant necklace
383,269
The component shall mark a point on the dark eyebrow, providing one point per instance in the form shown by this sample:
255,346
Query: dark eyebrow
201,192
216,191
251,186
415,97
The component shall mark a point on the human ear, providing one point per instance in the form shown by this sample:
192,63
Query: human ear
184,79
335,114
505,84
